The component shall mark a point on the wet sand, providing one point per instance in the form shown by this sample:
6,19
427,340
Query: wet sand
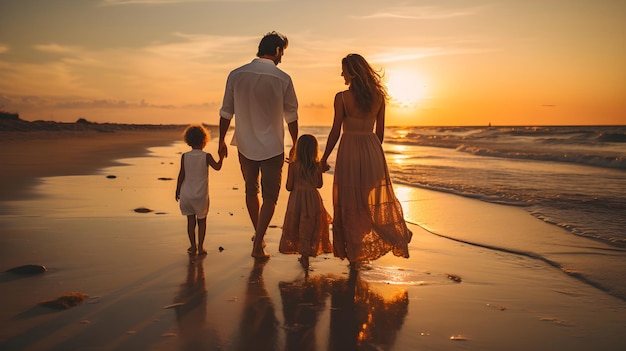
146,293
33,152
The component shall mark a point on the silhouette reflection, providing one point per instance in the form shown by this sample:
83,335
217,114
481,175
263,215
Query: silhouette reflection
258,329
360,318
303,301
191,314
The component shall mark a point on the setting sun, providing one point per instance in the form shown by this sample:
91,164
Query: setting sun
405,88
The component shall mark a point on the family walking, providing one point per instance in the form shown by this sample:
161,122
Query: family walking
367,220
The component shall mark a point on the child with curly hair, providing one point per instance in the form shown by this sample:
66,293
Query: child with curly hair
192,188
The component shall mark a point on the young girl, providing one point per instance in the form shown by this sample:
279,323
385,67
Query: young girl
306,226
193,185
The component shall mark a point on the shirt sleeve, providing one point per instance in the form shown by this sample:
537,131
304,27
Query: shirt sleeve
228,104
290,106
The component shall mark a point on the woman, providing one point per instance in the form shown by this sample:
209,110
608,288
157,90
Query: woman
368,220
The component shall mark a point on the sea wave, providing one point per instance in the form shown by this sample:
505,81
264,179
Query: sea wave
597,146
607,161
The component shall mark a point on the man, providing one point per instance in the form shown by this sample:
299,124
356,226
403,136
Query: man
261,96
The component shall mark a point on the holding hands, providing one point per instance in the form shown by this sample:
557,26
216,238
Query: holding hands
324,166
222,149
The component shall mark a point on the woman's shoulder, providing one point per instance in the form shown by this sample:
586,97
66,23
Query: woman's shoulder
340,97
340,94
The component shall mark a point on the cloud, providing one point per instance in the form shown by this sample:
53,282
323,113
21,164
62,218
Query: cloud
145,2
54,48
419,13
188,47
4,48
27,102
426,50
185,73
105,103
165,71
162,2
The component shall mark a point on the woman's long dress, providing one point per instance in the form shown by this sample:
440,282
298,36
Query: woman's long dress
368,221
306,229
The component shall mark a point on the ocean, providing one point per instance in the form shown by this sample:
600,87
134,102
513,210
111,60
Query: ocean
572,177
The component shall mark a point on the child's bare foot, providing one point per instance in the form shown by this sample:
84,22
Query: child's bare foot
304,261
202,251
191,250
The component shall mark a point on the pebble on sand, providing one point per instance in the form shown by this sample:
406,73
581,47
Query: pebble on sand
455,278
111,176
27,269
142,210
65,301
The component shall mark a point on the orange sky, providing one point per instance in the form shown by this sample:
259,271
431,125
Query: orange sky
447,62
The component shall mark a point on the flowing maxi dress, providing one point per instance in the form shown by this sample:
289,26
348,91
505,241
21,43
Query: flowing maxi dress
368,221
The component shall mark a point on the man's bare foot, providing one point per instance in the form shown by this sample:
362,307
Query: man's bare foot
202,251
264,245
258,248
260,254
191,250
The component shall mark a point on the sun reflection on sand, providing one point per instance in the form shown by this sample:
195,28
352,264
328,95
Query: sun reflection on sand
362,316
408,201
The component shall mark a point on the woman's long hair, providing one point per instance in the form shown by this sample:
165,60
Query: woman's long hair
307,157
366,84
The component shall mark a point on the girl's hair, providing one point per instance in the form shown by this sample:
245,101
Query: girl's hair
366,83
196,135
307,157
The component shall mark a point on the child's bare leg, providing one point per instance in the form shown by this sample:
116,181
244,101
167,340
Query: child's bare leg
304,261
191,232
201,235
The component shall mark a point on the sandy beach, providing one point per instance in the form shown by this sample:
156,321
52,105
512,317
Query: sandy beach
144,292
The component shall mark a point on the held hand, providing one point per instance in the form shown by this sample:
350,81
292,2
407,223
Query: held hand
292,153
177,197
324,166
222,150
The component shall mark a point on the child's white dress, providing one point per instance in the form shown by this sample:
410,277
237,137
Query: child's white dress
194,191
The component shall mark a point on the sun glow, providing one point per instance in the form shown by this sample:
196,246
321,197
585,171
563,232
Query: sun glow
405,87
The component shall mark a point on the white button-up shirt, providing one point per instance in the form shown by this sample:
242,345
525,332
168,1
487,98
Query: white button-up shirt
261,96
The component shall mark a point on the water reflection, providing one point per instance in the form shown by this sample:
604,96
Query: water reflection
258,329
303,302
191,313
360,317
351,312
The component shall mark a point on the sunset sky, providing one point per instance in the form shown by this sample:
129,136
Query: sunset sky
446,62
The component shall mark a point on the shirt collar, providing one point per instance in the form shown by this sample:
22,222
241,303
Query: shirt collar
264,61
